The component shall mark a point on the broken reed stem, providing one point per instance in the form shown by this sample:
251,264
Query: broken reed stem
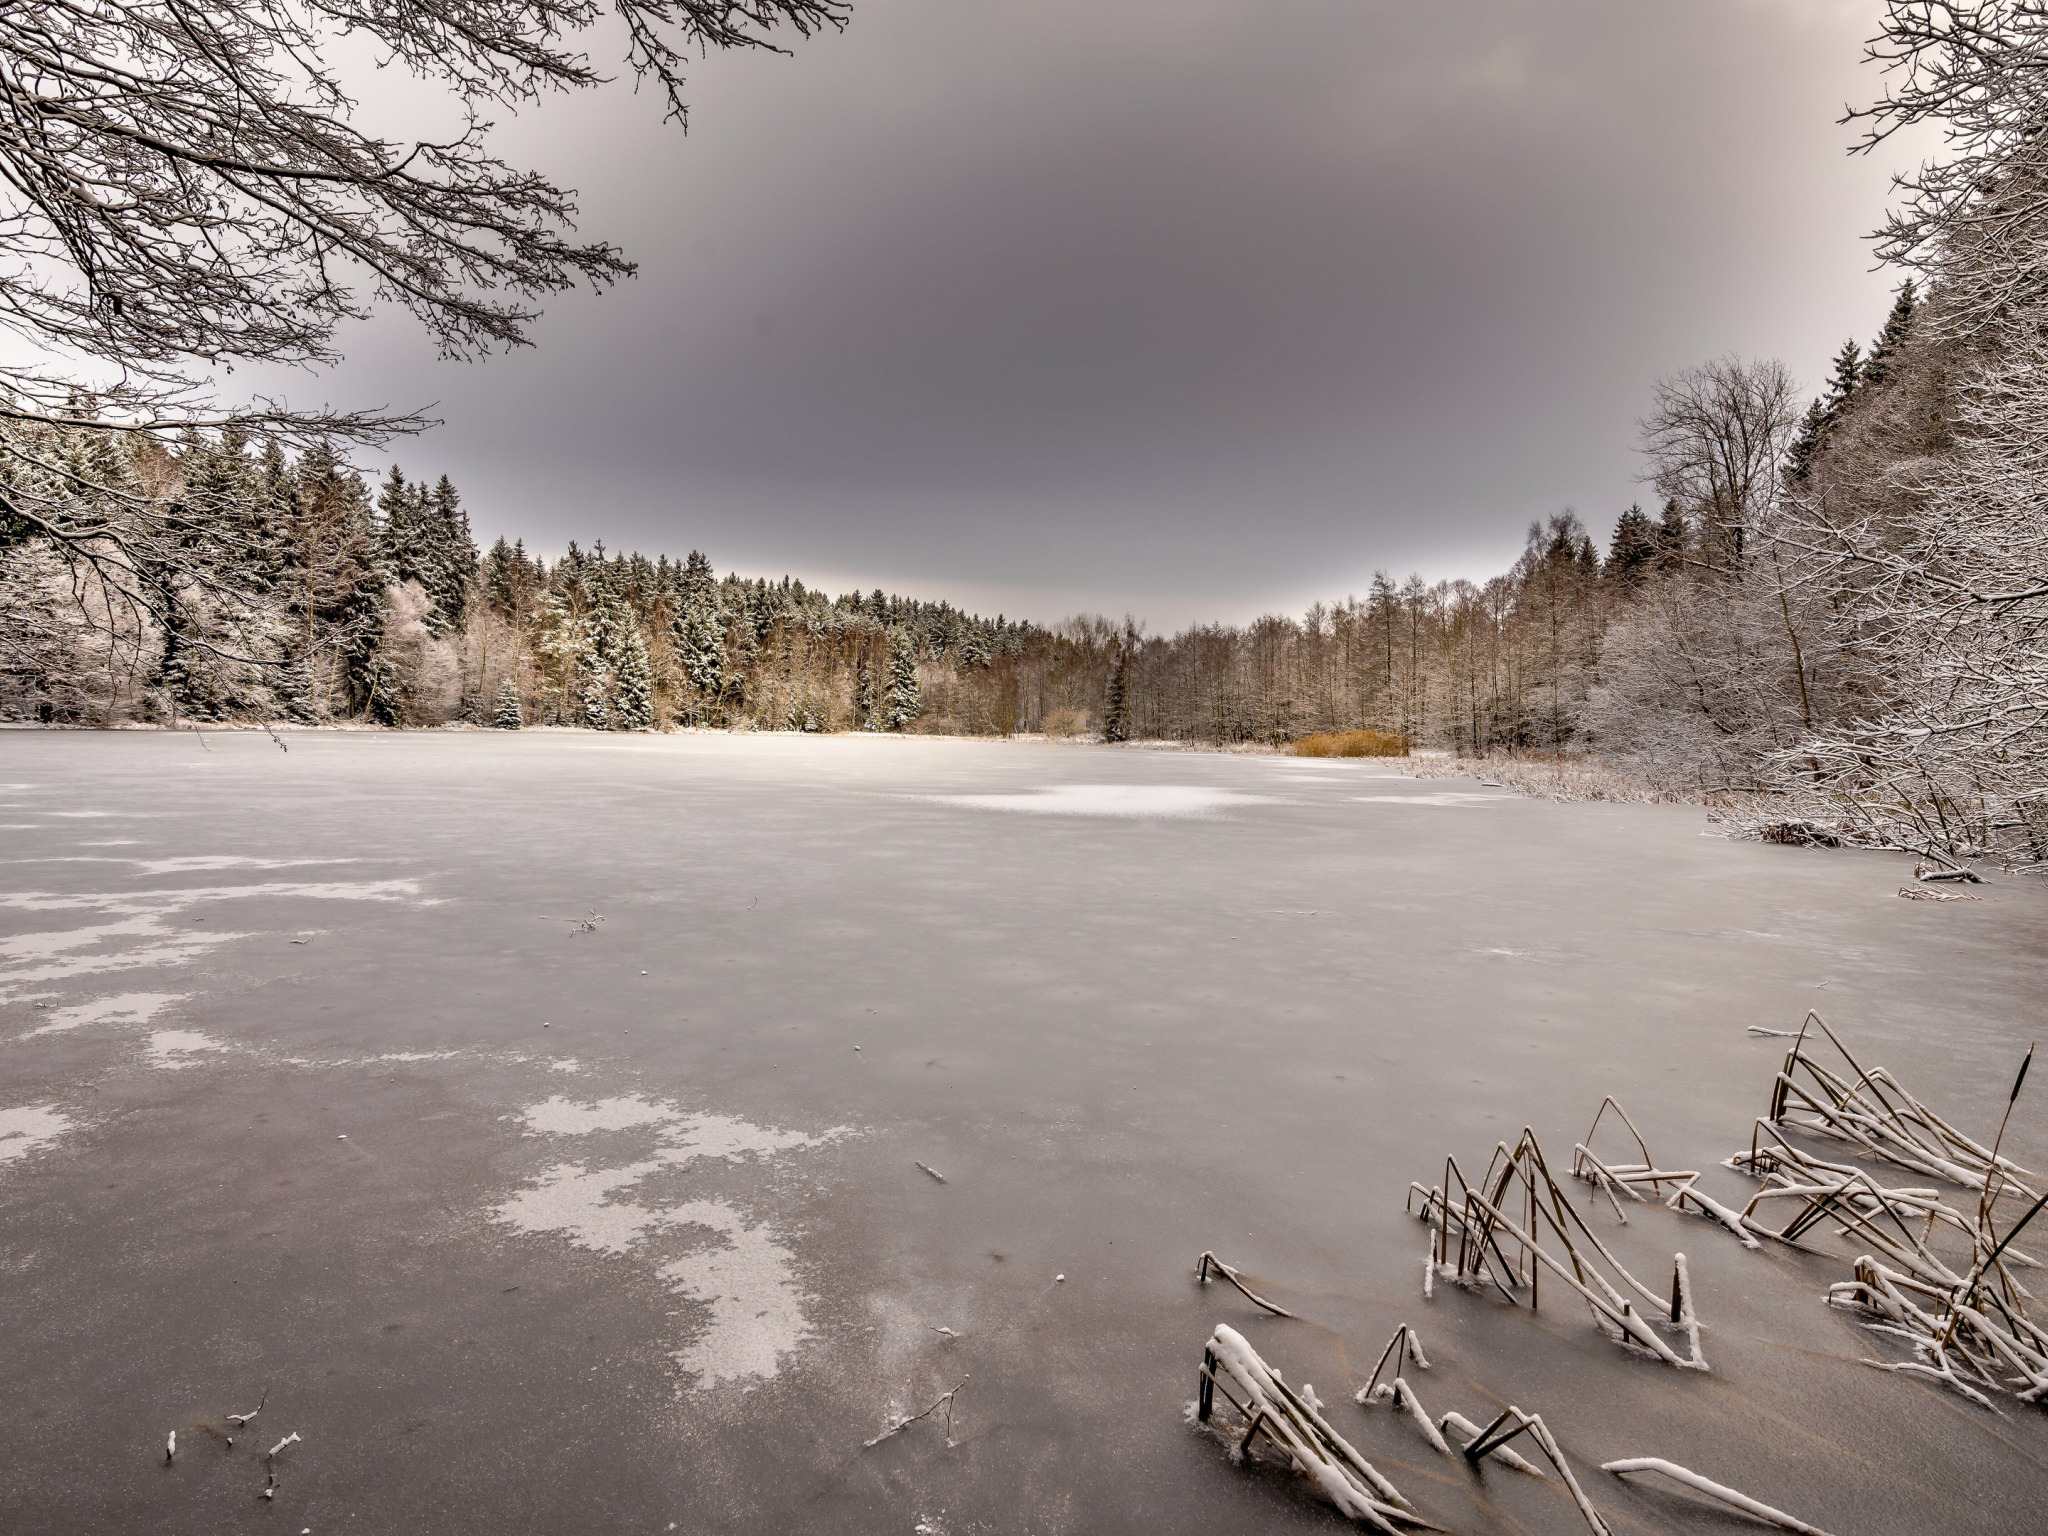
1405,1344
1209,1261
1272,1408
1512,1422
1502,1453
1712,1490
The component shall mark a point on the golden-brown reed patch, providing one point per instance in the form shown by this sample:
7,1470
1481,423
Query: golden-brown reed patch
1352,744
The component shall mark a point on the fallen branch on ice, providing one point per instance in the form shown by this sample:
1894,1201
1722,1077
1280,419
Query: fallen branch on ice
932,1171
1712,1490
944,1400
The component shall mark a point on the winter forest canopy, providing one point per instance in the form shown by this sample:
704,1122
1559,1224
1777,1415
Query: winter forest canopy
1832,611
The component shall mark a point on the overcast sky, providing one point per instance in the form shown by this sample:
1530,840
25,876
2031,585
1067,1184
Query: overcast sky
1190,309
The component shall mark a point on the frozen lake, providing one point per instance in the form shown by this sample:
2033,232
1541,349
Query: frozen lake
537,1120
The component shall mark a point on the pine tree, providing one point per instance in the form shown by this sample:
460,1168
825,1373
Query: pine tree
1633,553
904,699
1116,706
506,717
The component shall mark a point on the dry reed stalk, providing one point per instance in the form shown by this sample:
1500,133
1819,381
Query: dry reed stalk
1493,1249
1870,1109
1623,1178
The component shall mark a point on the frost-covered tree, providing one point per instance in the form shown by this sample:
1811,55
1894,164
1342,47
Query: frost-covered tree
903,699
505,715
632,703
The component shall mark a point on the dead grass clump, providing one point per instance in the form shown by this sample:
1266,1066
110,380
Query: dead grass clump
1062,724
1352,744
1569,779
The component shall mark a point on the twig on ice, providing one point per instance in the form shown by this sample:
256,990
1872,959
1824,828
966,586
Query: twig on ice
240,1419
171,1447
1209,1261
1712,1490
290,1439
1774,1034
927,1167
943,1400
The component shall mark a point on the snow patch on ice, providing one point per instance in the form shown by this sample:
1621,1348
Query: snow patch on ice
1143,801
749,1282
30,1127
566,1064
171,1050
558,1116
744,1273
575,1200
141,936
121,1008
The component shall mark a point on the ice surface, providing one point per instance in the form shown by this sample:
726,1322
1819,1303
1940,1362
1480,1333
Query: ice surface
173,1049
1124,800
1119,1039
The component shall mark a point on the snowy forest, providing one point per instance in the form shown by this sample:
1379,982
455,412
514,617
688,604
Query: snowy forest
1833,609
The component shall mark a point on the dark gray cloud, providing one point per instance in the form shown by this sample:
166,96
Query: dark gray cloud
1186,308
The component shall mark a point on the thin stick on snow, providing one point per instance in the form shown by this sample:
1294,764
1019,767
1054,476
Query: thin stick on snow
928,1168
1209,1261
1712,1490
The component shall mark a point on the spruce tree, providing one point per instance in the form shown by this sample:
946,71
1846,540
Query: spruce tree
632,681
1898,325
1633,553
900,705
1116,705
696,632
506,716
451,557
1674,539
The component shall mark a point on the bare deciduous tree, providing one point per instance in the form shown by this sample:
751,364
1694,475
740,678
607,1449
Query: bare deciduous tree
1714,440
